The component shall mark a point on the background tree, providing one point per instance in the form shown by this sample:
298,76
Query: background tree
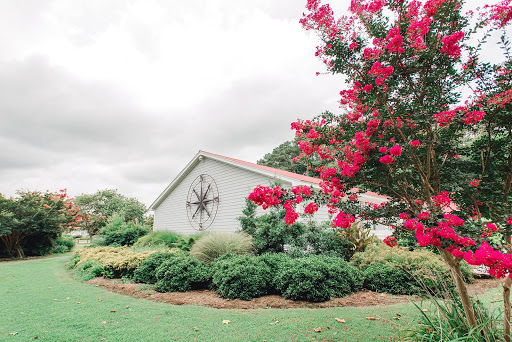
97,208
286,157
427,123
31,222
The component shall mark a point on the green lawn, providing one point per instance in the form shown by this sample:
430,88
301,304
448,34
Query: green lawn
39,298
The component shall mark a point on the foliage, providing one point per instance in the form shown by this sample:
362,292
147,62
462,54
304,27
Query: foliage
275,261
241,276
88,270
169,239
117,262
398,270
325,240
31,222
317,278
447,323
269,231
97,208
282,157
63,244
146,320
120,233
146,271
213,245
181,273
427,123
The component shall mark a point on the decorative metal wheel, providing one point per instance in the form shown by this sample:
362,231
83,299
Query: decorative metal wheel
202,202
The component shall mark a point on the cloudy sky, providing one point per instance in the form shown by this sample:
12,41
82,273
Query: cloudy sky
121,94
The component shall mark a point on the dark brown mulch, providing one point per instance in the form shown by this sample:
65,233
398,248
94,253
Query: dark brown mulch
212,299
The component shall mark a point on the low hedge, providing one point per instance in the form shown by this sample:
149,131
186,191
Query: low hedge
241,276
317,278
398,270
117,261
169,239
182,273
146,271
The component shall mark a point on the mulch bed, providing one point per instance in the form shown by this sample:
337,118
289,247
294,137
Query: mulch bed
212,299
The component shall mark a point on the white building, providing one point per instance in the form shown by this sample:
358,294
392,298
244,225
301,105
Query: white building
209,194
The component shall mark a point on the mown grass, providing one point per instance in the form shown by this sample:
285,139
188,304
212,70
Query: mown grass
39,298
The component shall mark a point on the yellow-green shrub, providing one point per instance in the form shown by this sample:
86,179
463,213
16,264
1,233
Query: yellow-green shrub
116,261
401,271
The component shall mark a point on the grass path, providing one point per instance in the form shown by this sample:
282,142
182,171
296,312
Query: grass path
39,298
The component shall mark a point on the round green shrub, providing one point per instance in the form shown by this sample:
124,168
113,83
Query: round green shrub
385,278
66,242
170,239
241,276
182,273
317,278
419,268
275,261
89,269
146,272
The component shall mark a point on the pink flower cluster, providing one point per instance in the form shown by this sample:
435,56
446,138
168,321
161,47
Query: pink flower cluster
301,190
450,47
472,117
415,143
444,118
395,40
265,196
380,72
390,241
291,215
311,208
343,220
475,182
442,199
501,13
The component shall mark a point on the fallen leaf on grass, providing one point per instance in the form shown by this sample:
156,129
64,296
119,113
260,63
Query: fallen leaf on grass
104,322
112,310
371,318
226,321
55,299
13,333
341,320
274,323
384,295
317,329
425,310
100,299
36,337
496,298
196,329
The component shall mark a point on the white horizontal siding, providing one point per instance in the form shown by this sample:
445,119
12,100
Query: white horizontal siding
233,184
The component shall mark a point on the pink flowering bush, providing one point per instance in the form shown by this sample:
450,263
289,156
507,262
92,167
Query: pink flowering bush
424,117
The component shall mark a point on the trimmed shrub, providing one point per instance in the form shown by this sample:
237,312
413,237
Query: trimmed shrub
88,270
317,278
415,269
63,244
117,261
385,278
213,245
97,241
324,240
275,261
241,276
170,239
146,272
120,233
181,273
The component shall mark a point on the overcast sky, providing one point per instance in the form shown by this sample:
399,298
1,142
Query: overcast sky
99,94
122,94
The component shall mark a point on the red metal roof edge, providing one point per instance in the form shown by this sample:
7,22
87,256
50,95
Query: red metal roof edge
271,169
291,174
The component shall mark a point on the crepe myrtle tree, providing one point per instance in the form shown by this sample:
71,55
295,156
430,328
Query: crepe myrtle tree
34,213
427,122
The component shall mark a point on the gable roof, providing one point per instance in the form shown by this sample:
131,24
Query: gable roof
293,178
271,172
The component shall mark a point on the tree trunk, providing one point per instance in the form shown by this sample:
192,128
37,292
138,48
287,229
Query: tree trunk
454,267
13,244
506,308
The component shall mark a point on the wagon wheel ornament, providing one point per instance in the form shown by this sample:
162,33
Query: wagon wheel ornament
202,202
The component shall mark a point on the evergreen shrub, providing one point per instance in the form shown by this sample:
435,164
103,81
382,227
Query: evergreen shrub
182,273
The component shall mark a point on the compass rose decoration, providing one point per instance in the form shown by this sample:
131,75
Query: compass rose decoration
202,202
